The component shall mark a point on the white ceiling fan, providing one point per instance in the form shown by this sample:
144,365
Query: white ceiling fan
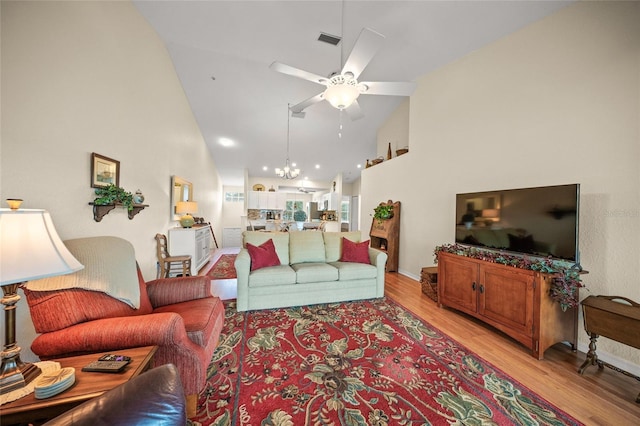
342,89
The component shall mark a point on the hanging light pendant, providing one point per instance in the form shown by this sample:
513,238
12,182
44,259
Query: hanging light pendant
287,172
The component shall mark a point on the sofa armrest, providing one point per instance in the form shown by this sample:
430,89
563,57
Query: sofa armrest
379,260
243,269
168,291
110,334
377,257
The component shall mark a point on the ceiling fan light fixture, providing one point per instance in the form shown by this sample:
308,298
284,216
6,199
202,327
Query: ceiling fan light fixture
343,94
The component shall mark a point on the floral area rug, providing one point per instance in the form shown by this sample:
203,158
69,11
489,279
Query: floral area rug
223,269
358,363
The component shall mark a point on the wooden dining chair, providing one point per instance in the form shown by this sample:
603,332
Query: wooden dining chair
176,265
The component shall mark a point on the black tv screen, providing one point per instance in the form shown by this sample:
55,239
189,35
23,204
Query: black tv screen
540,221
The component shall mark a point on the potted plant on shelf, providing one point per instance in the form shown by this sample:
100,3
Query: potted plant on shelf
383,212
112,194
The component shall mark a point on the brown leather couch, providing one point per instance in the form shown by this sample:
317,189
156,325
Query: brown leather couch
153,398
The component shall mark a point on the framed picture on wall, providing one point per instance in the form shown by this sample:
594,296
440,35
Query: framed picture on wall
104,171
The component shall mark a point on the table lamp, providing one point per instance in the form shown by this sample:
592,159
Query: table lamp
30,249
186,207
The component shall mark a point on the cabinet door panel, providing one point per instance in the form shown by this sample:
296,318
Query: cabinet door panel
456,281
254,200
506,297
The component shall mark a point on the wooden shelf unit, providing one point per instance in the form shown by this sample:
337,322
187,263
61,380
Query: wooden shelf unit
385,236
515,301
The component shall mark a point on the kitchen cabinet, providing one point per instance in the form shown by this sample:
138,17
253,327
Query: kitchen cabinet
195,242
265,200
515,301
330,201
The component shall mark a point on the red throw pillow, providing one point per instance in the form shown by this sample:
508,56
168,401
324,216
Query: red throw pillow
263,255
355,252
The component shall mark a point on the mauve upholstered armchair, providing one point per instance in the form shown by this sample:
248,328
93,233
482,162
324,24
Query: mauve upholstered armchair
179,315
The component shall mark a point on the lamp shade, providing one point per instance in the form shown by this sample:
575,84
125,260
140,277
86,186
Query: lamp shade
490,213
185,207
30,247
341,96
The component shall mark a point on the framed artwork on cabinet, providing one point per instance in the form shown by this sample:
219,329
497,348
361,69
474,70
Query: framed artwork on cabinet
104,171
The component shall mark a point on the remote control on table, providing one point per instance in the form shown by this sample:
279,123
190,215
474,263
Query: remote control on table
105,366
114,357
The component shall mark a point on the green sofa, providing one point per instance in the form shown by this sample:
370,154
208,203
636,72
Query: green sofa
310,271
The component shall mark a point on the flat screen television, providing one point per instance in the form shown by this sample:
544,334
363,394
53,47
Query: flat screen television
541,221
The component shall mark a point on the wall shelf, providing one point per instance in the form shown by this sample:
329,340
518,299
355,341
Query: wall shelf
100,211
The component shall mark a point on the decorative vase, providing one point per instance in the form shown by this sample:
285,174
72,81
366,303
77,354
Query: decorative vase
389,152
14,203
138,198
187,221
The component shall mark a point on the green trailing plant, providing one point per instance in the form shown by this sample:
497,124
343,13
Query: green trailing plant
566,280
112,194
383,212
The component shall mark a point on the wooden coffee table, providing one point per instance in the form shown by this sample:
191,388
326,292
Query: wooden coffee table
87,385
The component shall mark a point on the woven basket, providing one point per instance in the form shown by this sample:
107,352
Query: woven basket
429,282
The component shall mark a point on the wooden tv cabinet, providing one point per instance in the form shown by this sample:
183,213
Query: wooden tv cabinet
515,301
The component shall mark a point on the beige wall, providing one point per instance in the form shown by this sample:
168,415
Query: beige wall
83,77
395,131
557,102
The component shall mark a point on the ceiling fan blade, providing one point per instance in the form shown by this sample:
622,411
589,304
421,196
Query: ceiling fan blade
354,111
308,102
391,88
297,72
367,45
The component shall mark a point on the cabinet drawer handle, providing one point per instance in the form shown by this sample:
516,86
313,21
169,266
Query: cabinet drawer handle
473,286
481,288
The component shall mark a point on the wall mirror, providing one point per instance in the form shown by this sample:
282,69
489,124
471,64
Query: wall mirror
181,190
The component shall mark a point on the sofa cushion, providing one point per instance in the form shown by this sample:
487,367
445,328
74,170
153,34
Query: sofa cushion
354,271
280,242
333,243
355,252
311,272
273,275
263,255
203,318
306,246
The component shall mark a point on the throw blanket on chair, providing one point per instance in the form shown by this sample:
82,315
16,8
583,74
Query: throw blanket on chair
110,267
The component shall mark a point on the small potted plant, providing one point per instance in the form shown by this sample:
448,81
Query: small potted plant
112,194
299,216
383,212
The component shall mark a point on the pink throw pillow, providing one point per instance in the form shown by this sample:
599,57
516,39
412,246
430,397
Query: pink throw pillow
355,252
263,255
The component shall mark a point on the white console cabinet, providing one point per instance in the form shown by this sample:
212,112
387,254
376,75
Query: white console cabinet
195,242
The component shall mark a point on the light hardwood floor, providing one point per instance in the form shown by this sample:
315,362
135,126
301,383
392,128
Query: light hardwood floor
599,397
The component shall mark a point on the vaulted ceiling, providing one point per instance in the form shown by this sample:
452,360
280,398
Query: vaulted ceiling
222,50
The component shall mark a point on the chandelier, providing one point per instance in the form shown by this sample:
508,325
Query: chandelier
287,172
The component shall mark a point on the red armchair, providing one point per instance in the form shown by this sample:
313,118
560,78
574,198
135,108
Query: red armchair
179,315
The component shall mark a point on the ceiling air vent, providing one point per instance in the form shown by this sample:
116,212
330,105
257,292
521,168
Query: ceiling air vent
328,38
